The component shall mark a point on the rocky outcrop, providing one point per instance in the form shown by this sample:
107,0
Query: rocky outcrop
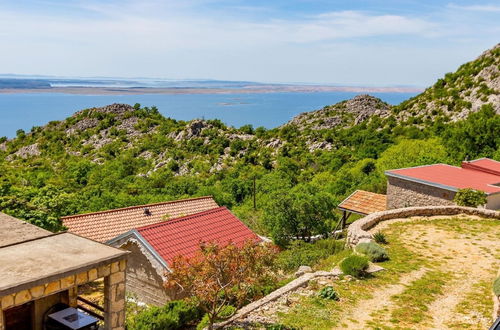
458,94
346,113
26,152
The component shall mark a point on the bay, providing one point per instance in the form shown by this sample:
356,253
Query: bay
23,111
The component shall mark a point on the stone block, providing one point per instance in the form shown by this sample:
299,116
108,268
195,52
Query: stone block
92,274
116,278
67,282
114,320
123,265
117,306
115,267
7,301
37,291
104,271
120,291
82,278
52,287
22,297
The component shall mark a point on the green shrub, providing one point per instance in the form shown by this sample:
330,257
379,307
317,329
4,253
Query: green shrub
496,286
174,315
300,253
470,197
373,251
328,292
379,237
227,311
354,265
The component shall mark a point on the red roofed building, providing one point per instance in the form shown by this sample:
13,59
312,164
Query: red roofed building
154,247
437,184
105,225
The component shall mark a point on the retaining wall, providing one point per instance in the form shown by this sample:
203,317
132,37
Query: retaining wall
357,231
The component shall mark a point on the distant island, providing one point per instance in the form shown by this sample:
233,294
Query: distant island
116,86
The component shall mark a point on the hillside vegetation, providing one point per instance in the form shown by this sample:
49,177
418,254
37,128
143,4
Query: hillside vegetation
120,155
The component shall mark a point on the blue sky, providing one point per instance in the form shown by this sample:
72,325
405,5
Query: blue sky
370,42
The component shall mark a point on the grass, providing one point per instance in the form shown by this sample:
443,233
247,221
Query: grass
475,307
316,313
413,302
410,308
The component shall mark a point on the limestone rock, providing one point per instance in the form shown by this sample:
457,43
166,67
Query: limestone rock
303,270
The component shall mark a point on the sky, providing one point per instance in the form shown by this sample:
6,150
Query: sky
364,43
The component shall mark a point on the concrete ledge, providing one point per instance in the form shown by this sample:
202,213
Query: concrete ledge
357,231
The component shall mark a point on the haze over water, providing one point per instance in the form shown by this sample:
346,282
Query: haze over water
23,111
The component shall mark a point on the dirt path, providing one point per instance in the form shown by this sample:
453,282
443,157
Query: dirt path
466,252
380,301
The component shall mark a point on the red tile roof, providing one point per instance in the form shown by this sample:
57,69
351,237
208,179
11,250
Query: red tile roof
105,225
182,236
450,177
364,202
484,165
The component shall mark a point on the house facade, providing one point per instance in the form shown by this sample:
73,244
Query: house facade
154,247
40,270
437,184
146,268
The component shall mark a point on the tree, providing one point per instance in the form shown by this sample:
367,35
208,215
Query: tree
470,197
301,212
220,275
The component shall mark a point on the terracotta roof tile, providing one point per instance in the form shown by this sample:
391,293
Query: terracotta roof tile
182,236
105,225
451,177
364,202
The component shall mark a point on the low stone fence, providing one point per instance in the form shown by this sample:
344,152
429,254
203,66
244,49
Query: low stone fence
357,231
301,281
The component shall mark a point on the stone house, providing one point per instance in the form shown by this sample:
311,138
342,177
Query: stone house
437,184
145,269
154,247
40,269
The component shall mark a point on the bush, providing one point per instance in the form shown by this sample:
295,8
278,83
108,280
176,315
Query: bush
373,251
379,237
328,293
354,265
470,197
496,286
174,315
227,311
300,253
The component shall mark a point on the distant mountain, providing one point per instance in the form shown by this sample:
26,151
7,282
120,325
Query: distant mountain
23,83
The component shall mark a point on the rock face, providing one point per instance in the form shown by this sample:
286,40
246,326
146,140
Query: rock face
346,113
27,151
457,94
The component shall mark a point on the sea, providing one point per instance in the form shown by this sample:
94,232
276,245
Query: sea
26,110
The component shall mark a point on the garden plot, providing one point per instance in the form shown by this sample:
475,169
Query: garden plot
439,276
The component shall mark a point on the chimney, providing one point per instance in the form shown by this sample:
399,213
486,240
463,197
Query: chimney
147,211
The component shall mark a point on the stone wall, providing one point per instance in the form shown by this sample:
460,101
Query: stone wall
403,193
143,280
301,281
357,231
65,289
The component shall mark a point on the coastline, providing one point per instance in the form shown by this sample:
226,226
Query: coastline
243,90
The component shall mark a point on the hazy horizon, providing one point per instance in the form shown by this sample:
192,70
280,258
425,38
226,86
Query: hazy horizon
361,43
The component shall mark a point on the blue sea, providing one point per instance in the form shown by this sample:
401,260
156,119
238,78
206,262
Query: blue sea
23,111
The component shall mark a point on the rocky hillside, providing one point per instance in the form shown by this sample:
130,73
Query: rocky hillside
343,114
457,94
